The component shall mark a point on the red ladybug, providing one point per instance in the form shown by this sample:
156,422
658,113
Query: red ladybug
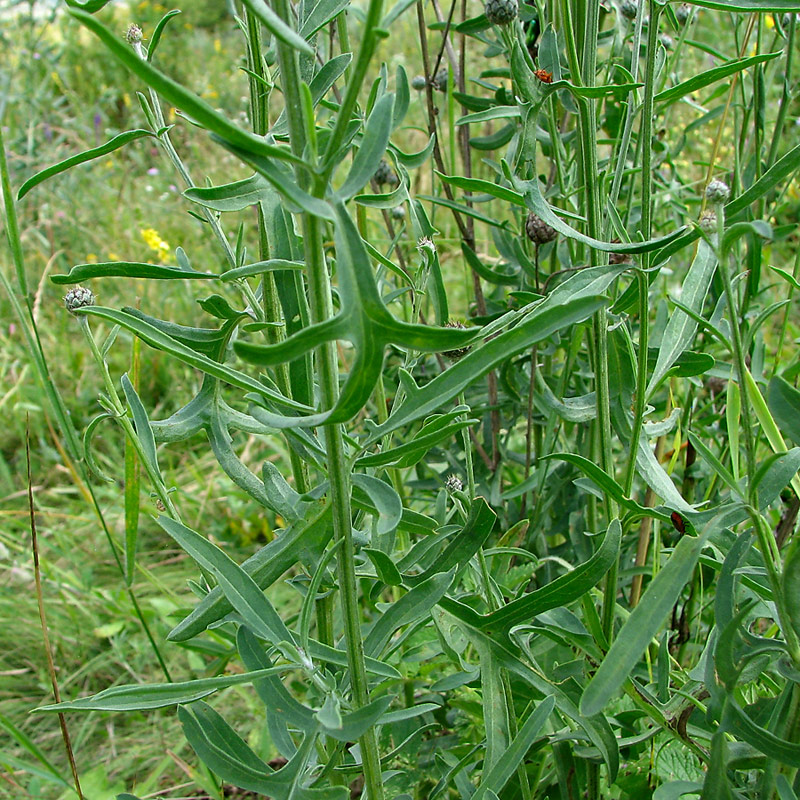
678,522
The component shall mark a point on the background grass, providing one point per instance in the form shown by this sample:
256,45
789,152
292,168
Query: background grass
65,94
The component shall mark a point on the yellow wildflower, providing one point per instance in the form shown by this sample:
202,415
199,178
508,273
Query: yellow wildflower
154,241
112,256
91,258
217,46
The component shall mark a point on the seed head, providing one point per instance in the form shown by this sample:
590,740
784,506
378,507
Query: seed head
459,352
440,79
539,232
708,222
717,192
683,12
133,34
78,297
453,483
385,174
501,12
629,9
418,82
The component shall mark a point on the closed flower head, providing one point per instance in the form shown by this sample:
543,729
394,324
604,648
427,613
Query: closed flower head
78,297
539,232
501,12
717,192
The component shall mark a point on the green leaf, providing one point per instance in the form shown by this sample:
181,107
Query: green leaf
478,186
142,423
372,149
239,588
711,76
384,498
384,567
536,203
156,338
412,606
265,567
500,773
158,31
784,403
463,546
681,328
278,28
790,582
642,625
749,5
715,785
88,155
735,720
138,697
562,591
234,196
129,269
176,94
774,474
320,14
573,301
436,430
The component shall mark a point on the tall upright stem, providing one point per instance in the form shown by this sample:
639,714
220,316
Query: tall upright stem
321,307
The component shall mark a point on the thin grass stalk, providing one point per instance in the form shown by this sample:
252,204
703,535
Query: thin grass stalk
73,453
37,576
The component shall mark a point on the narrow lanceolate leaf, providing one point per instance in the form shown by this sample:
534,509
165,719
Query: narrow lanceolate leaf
643,624
265,567
373,146
563,590
174,93
234,196
737,721
711,76
129,269
409,608
681,328
241,590
158,32
536,203
496,778
135,697
783,400
277,27
88,155
142,423
749,5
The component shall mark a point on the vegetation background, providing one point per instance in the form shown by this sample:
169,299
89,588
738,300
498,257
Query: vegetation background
62,93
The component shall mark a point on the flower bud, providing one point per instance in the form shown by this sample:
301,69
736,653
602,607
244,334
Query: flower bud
629,9
539,232
385,174
708,222
440,79
453,484
78,297
418,82
501,12
134,34
717,192
682,13
398,212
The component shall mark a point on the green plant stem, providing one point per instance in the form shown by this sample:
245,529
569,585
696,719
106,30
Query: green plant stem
321,306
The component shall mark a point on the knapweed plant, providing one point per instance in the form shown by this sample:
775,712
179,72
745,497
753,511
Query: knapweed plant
508,329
